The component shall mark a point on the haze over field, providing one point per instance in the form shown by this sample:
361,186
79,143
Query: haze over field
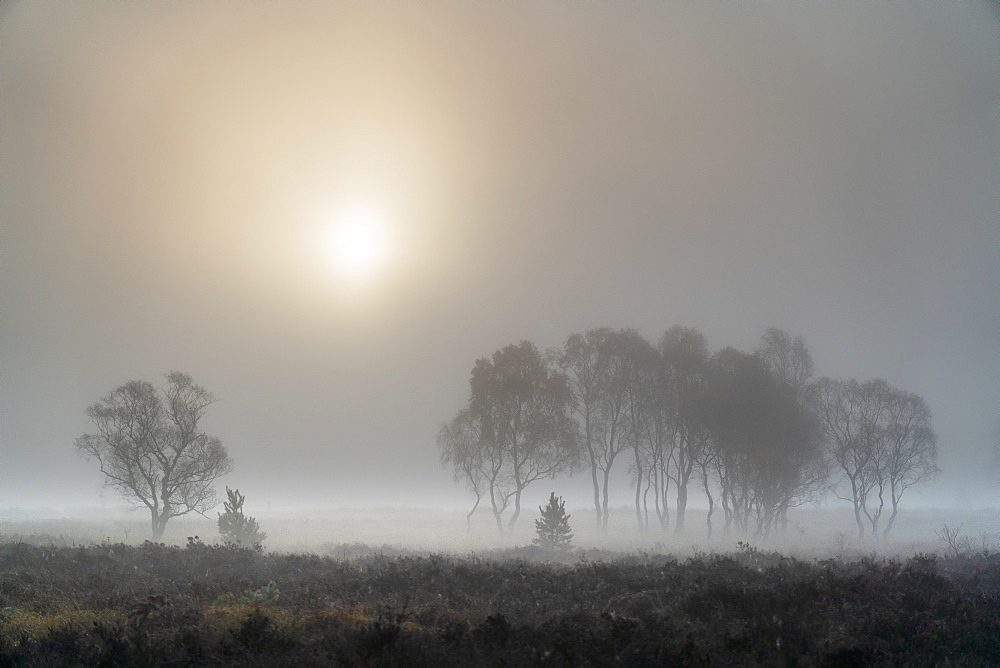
327,213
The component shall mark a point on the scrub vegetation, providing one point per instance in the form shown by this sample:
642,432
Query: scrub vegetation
152,604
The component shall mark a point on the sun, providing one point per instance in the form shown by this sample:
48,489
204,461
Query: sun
356,243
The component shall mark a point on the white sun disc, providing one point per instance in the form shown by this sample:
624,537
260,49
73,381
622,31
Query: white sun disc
357,241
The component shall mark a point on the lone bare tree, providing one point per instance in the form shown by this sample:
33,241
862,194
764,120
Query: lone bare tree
151,449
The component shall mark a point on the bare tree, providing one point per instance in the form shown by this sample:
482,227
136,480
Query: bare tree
584,362
790,363
659,454
849,414
597,370
684,352
151,449
881,440
476,462
706,463
788,360
909,448
640,364
522,407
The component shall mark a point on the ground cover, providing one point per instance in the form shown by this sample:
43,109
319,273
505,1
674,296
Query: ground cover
154,604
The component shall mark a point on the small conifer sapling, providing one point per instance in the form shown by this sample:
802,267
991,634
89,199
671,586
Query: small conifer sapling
235,527
553,526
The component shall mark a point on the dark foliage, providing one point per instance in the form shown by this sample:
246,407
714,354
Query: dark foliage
159,605
553,527
235,527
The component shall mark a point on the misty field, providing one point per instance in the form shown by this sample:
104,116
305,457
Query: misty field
811,532
389,600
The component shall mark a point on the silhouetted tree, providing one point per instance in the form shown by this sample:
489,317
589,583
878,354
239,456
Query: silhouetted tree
584,360
597,369
849,414
908,453
762,440
789,363
659,456
151,449
237,528
788,360
880,439
641,366
475,462
684,354
522,408
552,528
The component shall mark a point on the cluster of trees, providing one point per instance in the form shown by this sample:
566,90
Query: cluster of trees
752,431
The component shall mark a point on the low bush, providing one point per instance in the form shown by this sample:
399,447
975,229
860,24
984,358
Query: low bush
203,605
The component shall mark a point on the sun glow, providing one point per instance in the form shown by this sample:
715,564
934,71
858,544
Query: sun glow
356,243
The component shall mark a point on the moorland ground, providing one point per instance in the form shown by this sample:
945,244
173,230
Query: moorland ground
349,603
152,604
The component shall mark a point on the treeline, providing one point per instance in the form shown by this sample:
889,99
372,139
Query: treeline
753,432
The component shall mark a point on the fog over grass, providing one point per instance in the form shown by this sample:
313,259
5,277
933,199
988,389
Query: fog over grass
170,170
349,533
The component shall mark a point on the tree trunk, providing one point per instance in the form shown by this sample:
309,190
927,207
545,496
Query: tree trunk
593,471
727,513
892,518
159,524
711,502
497,513
604,509
665,520
497,516
468,518
708,517
638,490
857,511
638,504
517,511
682,501
597,492
645,504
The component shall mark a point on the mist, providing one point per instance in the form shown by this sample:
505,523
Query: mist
168,171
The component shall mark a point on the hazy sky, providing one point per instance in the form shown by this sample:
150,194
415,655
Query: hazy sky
171,170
